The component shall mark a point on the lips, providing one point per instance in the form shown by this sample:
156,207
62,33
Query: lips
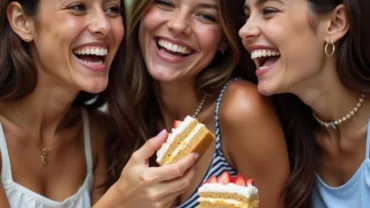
91,54
265,57
174,48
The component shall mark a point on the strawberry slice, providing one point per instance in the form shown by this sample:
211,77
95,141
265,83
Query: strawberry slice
176,123
250,182
225,178
239,180
212,179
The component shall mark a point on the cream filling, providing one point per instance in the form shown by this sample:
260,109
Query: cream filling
186,141
245,191
171,137
226,201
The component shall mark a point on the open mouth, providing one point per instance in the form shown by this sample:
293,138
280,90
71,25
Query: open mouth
91,55
265,58
173,49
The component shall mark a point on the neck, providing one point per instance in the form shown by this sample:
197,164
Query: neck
41,112
330,101
177,100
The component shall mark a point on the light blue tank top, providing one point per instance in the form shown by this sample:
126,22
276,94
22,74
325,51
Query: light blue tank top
353,194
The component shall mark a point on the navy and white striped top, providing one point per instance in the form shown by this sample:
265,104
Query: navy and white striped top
219,164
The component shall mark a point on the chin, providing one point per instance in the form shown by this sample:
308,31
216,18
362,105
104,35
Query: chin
95,87
266,89
163,76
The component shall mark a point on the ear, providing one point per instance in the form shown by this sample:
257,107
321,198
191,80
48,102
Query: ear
338,25
21,24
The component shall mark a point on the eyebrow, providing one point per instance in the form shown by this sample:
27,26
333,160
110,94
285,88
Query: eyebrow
260,2
208,6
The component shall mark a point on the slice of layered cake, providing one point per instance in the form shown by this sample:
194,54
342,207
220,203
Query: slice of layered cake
186,137
228,192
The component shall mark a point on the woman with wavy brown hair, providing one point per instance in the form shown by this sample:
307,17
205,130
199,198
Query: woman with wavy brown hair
182,58
55,58
319,51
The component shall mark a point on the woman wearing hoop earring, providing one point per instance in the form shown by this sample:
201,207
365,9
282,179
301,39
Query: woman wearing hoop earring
319,53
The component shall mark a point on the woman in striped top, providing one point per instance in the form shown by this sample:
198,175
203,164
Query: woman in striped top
182,54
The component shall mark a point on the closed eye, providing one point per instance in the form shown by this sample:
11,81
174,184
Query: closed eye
269,10
78,7
163,3
207,18
113,10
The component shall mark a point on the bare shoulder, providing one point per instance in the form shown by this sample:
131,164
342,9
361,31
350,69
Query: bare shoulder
243,103
249,125
253,140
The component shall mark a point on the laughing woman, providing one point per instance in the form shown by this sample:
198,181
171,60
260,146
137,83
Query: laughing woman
183,54
319,50
54,57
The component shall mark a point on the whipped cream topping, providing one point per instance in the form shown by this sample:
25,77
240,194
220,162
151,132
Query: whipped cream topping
245,191
171,137
187,140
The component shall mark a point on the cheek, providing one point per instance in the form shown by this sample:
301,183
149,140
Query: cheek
209,37
152,19
118,29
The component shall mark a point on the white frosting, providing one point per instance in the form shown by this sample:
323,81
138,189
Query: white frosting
226,201
245,191
187,140
171,137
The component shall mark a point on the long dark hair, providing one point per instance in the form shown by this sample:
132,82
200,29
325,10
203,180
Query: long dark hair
18,73
136,110
353,67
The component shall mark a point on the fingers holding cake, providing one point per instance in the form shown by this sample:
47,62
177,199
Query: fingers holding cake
186,137
150,147
171,171
169,190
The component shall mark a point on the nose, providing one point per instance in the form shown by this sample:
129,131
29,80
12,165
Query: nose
250,31
178,23
99,24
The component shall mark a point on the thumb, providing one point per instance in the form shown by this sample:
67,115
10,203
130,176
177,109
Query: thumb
151,146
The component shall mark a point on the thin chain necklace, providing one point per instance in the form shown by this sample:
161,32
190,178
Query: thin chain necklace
334,124
197,111
43,150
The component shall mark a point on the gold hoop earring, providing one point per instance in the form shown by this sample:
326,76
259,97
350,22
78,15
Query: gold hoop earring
331,44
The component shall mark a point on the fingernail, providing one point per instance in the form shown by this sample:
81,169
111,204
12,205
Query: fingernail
162,133
196,155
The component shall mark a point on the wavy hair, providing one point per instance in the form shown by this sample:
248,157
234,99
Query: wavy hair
136,110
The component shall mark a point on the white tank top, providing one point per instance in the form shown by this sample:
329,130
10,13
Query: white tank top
21,197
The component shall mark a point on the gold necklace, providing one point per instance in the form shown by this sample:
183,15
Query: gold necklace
43,150
334,124
197,111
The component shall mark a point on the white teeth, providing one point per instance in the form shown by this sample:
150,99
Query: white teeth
92,51
173,47
94,63
264,53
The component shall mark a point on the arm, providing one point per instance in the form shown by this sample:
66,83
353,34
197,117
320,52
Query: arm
254,141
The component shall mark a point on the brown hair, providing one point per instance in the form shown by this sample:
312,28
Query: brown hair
18,73
353,67
137,109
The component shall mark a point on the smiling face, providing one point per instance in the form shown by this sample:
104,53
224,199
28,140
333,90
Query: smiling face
179,38
287,50
74,42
